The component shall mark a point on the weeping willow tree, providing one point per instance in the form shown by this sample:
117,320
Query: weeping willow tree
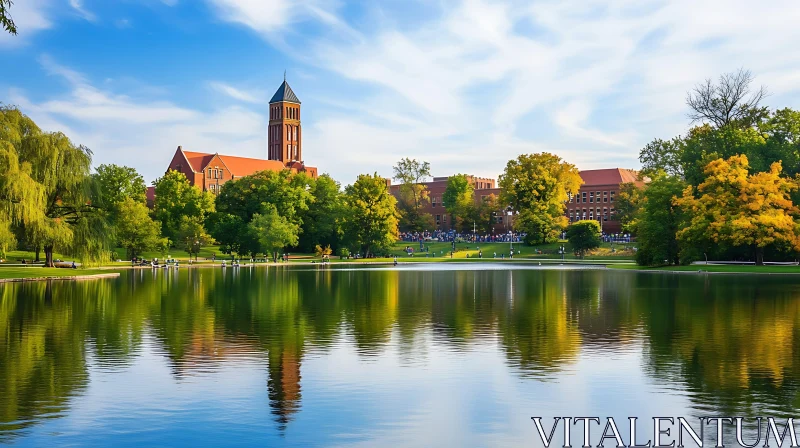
47,192
21,197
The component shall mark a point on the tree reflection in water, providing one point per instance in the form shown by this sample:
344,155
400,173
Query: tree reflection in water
732,342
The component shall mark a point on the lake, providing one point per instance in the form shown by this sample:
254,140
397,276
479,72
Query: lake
420,355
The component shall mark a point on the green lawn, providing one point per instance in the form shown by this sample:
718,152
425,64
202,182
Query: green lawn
717,268
15,255
39,272
541,251
437,250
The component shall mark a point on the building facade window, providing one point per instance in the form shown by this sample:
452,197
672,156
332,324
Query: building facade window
584,197
605,196
612,196
591,197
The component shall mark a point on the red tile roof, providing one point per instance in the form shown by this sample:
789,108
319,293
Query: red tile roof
243,166
238,166
198,160
611,176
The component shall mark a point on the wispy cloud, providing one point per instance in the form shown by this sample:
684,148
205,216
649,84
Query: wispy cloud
30,18
77,5
465,84
236,93
583,78
142,133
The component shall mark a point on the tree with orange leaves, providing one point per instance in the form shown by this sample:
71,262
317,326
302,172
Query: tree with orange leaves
732,207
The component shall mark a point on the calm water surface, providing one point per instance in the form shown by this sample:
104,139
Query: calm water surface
448,355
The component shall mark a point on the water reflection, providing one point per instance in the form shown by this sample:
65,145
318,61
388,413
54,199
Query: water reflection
730,344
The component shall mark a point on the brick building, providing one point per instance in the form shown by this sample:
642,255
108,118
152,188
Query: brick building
443,221
284,150
595,199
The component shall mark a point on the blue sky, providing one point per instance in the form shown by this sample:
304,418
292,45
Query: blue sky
464,84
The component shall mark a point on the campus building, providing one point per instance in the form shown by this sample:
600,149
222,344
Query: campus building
595,199
483,188
209,171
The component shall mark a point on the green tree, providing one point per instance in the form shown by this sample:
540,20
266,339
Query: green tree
584,236
175,199
230,231
322,221
658,221
663,155
58,210
5,17
22,198
627,205
705,143
484,213
413,197
119,182
192,235
273,231
238,201
459,199
370,215
782,131
136,231
537,186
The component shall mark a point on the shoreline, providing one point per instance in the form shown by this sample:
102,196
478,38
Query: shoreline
65,277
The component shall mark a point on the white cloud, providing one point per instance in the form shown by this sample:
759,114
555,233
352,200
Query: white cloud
572,117
29,17
142,133
599,78
263,16
236,93
467,85
77,5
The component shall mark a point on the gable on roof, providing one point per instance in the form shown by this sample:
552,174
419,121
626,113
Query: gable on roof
284,93
198,160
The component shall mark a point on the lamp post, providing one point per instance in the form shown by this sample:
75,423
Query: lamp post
509,214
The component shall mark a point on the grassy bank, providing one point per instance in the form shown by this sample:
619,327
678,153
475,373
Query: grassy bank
39,272
437,251
745,269
542,251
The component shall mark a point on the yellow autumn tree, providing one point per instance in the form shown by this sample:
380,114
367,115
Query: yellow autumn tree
741,209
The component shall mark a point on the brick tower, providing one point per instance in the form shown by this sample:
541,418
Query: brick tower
284,141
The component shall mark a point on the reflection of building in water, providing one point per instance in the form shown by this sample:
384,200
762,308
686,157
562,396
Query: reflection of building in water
284,385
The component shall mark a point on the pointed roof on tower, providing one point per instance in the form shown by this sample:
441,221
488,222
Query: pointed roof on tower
284,93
